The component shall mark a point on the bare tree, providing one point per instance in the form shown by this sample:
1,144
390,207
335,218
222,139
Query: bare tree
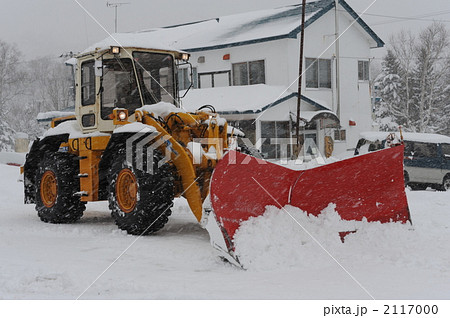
402,46
415,83
432,66
12,78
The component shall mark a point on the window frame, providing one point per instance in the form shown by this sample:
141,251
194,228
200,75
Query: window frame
318,70
248,72
91,84
277,128
212,74
340,135
363,70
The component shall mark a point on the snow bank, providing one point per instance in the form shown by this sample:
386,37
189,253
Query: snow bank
276,240
12,158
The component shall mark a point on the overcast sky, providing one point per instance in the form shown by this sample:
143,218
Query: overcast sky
52,27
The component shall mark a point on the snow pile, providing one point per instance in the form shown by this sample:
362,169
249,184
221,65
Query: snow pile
134,128
72,128
161,109
275,240
12,158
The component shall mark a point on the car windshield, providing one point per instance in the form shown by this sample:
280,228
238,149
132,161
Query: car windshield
155,74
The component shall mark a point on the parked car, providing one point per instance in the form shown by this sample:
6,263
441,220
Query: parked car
426,157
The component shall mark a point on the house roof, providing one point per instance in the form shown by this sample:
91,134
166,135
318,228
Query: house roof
249,99
236,30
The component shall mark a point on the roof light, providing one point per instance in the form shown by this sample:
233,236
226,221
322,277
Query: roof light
185,56
115,50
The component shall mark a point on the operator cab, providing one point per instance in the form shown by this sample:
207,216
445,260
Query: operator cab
123,78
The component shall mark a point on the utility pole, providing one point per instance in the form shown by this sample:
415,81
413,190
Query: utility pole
115,5
338,66
300,78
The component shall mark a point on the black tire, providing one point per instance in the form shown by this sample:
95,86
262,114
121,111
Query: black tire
445,186
64,207
152,195
418,186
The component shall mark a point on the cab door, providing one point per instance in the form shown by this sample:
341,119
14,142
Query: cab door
86,99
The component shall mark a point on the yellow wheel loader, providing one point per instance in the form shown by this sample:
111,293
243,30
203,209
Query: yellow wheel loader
129,144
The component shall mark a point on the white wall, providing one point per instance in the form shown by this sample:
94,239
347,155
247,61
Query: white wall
275,57
281,67
354,45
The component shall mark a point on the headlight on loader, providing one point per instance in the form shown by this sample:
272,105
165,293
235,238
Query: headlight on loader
120,116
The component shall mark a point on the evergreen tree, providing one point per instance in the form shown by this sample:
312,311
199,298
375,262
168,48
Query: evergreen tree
390,86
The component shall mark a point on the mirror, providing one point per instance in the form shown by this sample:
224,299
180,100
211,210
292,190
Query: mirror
98,68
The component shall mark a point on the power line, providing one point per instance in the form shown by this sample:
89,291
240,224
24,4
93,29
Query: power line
412,18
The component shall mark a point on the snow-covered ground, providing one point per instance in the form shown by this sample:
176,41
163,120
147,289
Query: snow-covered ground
47,261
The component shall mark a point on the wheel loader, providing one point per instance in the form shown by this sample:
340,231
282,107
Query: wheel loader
131,144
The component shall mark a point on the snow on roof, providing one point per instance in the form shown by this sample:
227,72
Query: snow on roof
419,137
246,99
235,99
151,40
71,61
232,30
240,27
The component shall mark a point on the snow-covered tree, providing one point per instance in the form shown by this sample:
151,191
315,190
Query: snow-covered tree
390,110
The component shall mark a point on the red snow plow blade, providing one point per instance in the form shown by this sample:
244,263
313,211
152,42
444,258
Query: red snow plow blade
369,186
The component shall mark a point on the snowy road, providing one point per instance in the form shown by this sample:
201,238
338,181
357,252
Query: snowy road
47,261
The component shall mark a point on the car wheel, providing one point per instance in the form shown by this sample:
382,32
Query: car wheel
418,186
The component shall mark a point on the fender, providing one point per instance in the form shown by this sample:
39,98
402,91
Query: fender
39,148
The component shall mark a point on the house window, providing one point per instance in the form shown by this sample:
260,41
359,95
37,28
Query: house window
249,73
87,83
340,135
248,127
363,70
274,129
318,73
184,78
214,79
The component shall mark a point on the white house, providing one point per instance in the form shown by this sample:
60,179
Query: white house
247,67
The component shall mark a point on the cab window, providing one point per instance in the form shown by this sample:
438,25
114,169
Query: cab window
87,83
155,72
119,86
